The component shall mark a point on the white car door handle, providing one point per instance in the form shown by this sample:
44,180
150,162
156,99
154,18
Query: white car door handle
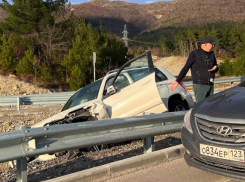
145,83
162,84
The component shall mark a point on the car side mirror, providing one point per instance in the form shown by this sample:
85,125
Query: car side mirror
243,78
110,90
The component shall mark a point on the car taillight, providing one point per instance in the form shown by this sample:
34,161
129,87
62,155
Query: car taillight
182,85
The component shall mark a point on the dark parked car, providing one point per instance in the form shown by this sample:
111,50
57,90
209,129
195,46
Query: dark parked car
214,133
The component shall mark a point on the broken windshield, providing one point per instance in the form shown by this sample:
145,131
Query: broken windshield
85,94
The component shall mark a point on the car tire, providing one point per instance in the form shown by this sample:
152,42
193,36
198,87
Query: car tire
177,105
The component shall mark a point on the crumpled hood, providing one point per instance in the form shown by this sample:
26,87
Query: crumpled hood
228,104
62,114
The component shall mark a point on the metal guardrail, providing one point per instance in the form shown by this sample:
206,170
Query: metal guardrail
56,138
62,97
35,99
52,98
217,81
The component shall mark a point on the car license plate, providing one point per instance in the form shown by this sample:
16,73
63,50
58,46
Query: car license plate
222,153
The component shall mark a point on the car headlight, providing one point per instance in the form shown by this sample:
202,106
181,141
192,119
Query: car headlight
187,121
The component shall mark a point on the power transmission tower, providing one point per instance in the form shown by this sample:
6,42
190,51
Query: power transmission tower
125,35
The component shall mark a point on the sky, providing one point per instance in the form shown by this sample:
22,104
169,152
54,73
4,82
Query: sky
130,1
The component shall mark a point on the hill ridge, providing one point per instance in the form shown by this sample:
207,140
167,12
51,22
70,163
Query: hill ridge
151,16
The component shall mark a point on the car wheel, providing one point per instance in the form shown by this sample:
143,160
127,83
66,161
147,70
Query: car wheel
177,105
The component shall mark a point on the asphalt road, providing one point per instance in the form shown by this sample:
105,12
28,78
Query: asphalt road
174,171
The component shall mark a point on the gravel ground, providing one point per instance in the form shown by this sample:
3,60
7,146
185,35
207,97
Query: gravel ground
43,170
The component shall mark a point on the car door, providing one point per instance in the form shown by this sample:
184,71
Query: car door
162,86
135,89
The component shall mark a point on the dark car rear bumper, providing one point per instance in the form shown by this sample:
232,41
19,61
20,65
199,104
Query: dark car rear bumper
214,167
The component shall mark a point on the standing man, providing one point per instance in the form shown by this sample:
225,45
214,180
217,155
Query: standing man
203,66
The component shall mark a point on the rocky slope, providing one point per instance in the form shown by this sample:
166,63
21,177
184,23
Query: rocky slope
10,85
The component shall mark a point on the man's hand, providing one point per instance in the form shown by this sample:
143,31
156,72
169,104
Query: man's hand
174,85
213,69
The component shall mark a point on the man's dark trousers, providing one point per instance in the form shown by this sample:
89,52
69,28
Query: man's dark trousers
202,91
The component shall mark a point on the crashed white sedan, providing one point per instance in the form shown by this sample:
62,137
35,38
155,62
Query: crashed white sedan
137,88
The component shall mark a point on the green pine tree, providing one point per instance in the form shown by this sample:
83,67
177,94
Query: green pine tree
7,54
110,54
27,65
40,21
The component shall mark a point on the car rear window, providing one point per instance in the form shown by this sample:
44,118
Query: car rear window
137,74
160,76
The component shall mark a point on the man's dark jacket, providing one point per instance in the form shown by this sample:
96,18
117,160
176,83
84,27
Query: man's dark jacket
200,62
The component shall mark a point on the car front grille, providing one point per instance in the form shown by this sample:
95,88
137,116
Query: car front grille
208,129
226,167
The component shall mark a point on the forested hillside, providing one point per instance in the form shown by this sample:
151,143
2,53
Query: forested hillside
3,14
230,38
150,16
143,17
114,15
196,12
44,42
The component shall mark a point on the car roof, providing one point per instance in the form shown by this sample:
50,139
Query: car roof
168,74
112,71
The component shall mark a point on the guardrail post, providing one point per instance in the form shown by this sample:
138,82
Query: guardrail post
148,144
21,171
148,141
19,102
232,84
21,175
